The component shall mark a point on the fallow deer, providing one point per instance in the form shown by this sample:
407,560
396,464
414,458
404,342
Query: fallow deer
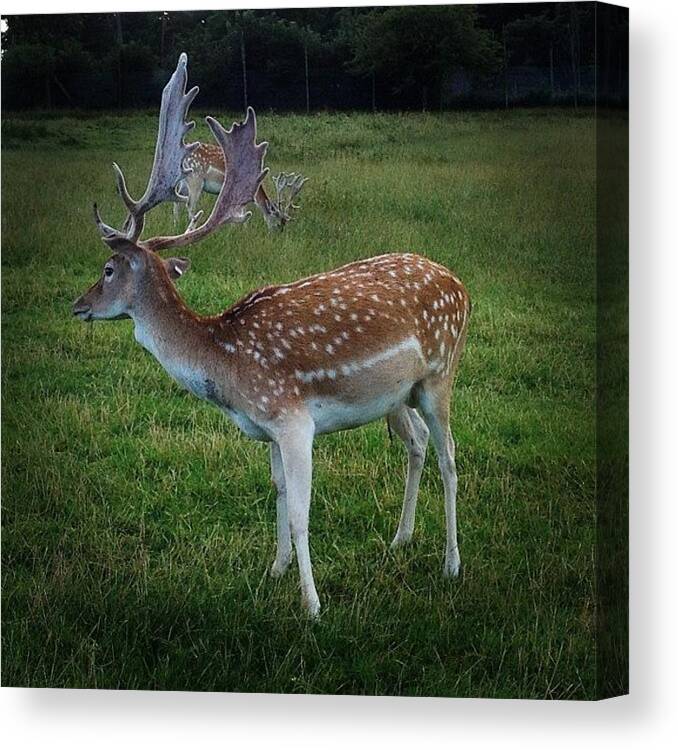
207,169
376,338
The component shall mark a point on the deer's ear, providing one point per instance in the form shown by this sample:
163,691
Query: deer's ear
176,267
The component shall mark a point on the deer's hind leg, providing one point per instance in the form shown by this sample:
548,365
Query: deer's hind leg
412,430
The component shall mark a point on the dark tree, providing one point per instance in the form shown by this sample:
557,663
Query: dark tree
411,48
401,58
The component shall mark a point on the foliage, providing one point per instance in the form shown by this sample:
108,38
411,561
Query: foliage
408,48
408,54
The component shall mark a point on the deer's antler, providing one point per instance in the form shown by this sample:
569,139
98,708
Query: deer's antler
278,212
168,162
242,180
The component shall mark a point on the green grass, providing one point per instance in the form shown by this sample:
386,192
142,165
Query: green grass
138,524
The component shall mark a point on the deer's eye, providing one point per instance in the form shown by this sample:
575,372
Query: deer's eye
108,271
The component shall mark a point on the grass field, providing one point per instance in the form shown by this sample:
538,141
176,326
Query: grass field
138,525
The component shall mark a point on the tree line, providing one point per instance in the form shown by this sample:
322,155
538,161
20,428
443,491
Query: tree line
388,58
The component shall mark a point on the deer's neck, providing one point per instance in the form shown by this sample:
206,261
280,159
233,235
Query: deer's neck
181,342
163,321
198,352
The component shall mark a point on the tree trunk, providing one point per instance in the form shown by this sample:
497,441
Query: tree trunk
552,76
374,92
163,19
243,59
308,90
64,91
119,42
506,86
606,65
574,56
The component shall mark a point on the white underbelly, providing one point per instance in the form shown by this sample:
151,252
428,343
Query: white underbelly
242,421
213,181
212,188
330,414
204,388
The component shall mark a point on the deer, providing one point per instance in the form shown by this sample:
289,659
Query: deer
207,169
378,338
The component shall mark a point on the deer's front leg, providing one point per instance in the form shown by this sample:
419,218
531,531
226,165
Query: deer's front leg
179,201
284,551
194,186
295,447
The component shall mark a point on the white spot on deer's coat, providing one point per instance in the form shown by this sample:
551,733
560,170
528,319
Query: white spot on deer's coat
310,376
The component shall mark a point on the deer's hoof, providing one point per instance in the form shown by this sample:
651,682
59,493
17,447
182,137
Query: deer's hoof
400,540
452,566
312,607
279,568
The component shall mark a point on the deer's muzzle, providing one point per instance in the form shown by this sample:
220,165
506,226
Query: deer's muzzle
82,310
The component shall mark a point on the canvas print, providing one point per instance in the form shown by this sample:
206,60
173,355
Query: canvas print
322,386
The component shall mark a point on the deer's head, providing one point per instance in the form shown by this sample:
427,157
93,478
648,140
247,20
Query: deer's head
126,280
135,272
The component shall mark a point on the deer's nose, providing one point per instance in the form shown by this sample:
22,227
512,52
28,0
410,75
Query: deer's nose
81,310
